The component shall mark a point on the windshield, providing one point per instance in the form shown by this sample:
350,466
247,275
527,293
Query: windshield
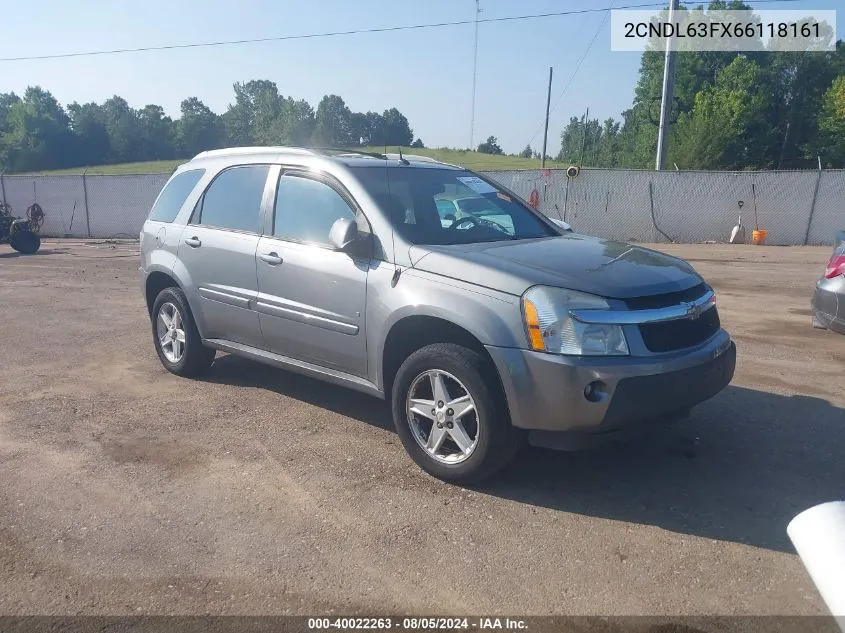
449,206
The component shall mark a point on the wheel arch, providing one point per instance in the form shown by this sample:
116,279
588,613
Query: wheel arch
415,331
155,282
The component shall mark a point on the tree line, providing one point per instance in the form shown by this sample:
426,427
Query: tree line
36,132
764,109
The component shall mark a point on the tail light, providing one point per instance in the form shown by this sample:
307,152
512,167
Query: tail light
836,265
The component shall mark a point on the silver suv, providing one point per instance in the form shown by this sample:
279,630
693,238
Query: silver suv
483,330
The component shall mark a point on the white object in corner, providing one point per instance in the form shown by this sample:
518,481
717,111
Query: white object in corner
818,535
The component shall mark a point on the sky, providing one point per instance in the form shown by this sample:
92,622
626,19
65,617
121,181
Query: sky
426,73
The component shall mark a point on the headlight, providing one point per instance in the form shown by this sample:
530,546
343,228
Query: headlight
545,311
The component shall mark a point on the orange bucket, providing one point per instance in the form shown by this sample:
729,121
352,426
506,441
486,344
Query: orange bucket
758,236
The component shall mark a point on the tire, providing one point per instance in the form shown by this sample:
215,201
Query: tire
25,242
487,425
186,355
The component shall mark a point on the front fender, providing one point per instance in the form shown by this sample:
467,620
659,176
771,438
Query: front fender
492,317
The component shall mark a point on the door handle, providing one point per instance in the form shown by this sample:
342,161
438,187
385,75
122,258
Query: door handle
193,242
271,258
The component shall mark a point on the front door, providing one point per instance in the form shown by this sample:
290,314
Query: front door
218,250
311,298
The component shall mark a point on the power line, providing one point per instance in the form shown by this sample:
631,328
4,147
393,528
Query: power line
305,36
283,38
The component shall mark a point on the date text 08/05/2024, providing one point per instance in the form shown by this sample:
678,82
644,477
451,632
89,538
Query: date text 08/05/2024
411,624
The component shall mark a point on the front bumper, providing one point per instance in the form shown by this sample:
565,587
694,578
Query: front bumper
546,392
829,304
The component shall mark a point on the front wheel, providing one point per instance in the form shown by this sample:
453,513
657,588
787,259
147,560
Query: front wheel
25,242
450,414
175,335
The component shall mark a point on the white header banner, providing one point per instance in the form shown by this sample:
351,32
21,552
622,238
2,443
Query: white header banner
697,30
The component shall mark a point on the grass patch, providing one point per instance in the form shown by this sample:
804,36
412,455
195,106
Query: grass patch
465,158
148,167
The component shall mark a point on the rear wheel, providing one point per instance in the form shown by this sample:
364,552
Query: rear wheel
175,335
450,414
25,242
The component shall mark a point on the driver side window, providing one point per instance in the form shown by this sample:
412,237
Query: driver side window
306,209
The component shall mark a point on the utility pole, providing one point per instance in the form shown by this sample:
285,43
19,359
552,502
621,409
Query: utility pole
584,137
668,96
474,77
548,105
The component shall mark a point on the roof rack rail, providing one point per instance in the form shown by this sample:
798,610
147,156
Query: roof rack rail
347,151
417,157
229,151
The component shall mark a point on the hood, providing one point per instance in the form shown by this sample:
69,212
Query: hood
572,261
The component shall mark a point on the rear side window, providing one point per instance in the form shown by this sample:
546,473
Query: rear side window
233,200
174,194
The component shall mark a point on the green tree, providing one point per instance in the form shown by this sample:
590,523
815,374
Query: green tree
490,146
295,125
719,132
7,100
91,140
418,144
397,130
199,129
597,143
829,141
365,128
608,152
368,128
157,134
36,133
333,123
570,141
123,130
252,119
527,152
797,83
693,71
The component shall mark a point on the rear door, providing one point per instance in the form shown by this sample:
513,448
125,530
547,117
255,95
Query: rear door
311,298
218,249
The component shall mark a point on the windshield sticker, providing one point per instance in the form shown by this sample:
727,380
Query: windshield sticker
504,197
477,185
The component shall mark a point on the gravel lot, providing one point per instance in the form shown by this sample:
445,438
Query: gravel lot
126,490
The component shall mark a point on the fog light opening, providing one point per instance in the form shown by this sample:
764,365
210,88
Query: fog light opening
596,391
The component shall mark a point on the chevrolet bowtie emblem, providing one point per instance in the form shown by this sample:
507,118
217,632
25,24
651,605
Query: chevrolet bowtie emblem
693,310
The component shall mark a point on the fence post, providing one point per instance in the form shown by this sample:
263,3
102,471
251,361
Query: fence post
813,206
85,201
3,187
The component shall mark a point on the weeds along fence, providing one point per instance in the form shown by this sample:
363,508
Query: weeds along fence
795,207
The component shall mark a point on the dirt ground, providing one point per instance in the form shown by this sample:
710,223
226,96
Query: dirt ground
127,490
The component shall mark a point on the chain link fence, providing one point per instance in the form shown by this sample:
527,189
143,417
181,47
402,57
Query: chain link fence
794,207
85,206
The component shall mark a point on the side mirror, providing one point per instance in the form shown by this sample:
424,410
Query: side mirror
561,224
450,217
343,233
